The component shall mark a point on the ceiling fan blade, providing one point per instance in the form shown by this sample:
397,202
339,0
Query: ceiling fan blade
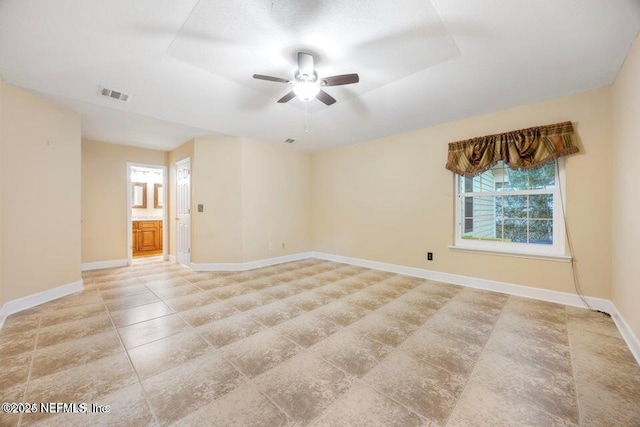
288,97
325,98
343,79
305,63
270,78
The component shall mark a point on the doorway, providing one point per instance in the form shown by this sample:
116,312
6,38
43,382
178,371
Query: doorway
183,211
146,210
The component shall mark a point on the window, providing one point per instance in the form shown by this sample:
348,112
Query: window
513,211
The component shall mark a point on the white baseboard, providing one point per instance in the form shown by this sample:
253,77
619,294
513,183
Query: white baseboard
474,282
98,265
172,258
627,333
29,301
564,298
243,266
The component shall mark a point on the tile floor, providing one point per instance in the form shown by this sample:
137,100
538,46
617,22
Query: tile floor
312,343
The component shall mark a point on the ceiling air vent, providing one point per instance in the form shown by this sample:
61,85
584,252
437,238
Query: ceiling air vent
289,141
115,94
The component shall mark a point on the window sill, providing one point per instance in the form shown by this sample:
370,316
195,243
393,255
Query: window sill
548,257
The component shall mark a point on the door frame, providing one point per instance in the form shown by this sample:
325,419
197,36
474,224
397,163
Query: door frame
165,210
186,160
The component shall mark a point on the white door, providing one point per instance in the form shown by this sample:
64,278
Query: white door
183,210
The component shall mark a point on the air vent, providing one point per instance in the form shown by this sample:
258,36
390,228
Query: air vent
115,94
289,141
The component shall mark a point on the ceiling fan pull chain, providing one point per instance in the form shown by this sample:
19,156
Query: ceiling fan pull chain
306,118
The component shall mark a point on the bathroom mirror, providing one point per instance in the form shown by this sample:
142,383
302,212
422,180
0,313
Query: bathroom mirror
158,196
139,196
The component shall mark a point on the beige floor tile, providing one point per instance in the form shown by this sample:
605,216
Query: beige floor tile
58,357
14,369
424,301
365,300
383,329
581,318
405,312
19,323
622,379
307,329
208,313
187,302
300,344
544,354
304,386
84,383
123,291
600,407
14,394
351,352
74,300
244,406
610,348
480,407
364,407
309,300
177,291
72,313
260,352
341,313
140,313
177,392
132,301
532,328
128,407
426,389
536,310
455,356
15,344
63,332
460,329
467,310
275,313
249,301
151,330
550,391
166,353
229,330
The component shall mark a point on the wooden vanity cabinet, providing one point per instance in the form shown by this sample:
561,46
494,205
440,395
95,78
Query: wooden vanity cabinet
147,237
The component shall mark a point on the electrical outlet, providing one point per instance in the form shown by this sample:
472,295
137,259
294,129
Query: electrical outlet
429,256
282,245
270,246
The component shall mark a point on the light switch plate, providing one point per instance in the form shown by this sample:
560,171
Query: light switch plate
200,208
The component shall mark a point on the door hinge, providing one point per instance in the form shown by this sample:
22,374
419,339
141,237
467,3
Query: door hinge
189,250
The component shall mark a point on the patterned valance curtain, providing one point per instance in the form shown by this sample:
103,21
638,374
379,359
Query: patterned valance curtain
520,149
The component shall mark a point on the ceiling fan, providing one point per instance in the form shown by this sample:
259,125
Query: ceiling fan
307,85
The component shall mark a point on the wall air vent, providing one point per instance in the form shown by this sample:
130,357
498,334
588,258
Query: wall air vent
114,94
289,141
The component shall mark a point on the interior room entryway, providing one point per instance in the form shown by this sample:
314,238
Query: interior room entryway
183,210
146,210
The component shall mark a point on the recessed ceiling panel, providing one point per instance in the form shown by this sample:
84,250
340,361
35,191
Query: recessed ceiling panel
382,41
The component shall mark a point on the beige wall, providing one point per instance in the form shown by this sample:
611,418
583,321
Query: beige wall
180,153
253,194
276,200
625,201
2,225
41,191
392,200
216,184
104,197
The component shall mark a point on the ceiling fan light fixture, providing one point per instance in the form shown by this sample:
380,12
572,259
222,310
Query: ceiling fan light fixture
306,90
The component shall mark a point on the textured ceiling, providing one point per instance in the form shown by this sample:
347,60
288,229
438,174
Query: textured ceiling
188,64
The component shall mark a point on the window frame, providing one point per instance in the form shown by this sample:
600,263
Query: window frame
556,250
